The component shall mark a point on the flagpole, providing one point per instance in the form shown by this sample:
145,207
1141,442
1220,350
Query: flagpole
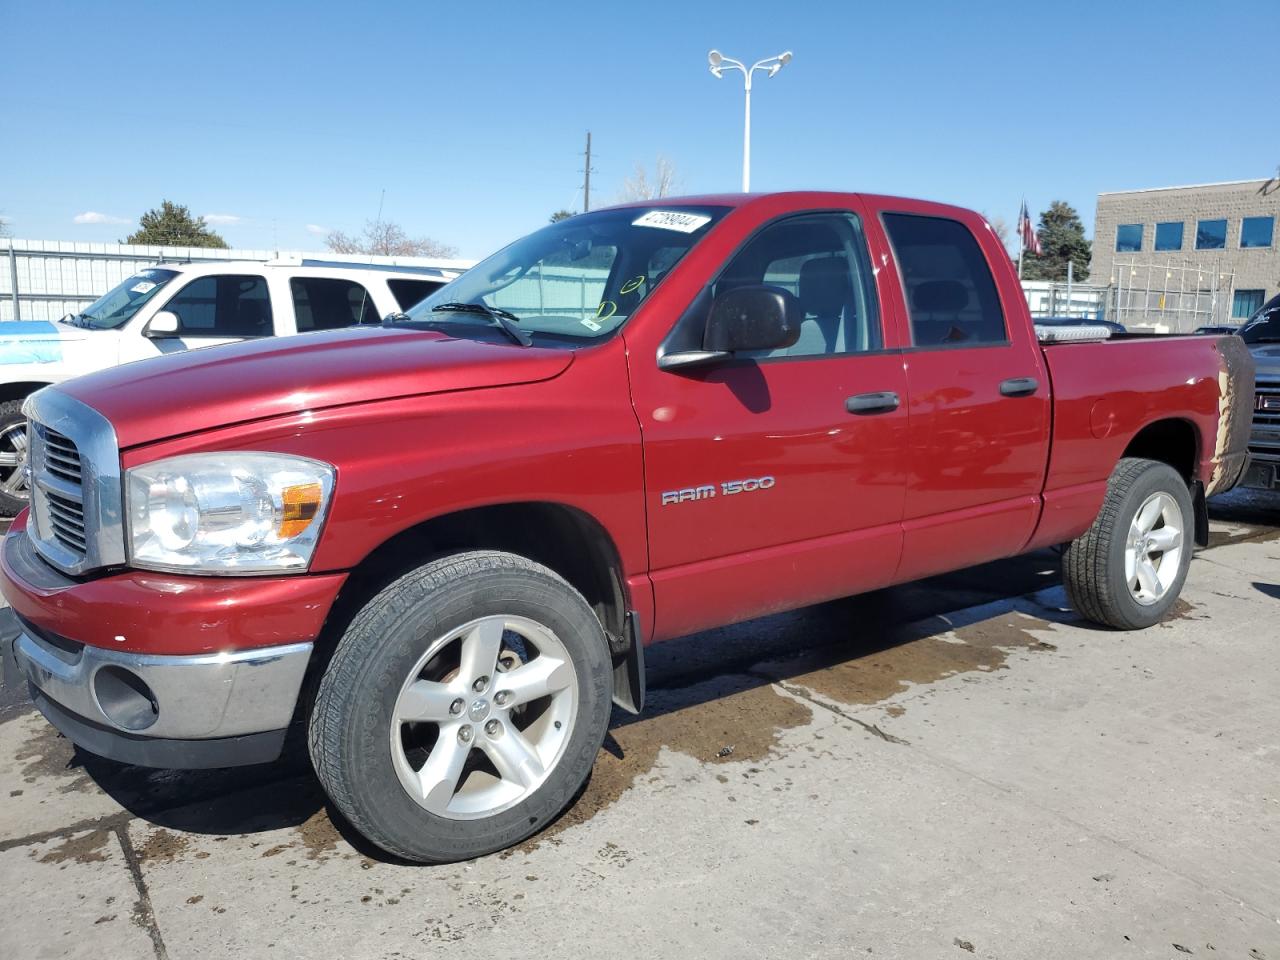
1022,238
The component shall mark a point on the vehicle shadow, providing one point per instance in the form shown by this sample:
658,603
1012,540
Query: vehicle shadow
683,674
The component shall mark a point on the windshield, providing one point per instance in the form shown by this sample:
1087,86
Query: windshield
1263,326
118,305
581,277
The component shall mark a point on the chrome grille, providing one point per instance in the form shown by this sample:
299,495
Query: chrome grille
61,458
67,518
76,521
1266,405
1264,440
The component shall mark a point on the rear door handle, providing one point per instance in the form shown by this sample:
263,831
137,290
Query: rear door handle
1019,387
881,402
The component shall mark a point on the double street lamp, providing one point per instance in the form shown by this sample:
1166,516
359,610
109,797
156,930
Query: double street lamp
719,63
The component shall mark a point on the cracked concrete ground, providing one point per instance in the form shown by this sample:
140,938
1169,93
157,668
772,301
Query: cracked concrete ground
954,767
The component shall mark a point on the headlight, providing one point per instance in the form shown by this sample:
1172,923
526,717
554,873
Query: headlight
228,513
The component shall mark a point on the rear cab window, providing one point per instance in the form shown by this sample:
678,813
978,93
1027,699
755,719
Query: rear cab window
950,293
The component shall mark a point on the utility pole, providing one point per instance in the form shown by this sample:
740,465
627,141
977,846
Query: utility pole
586,177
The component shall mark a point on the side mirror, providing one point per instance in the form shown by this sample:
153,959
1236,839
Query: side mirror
163,325
752,318
747,318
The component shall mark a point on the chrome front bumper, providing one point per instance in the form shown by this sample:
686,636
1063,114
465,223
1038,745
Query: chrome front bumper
180,711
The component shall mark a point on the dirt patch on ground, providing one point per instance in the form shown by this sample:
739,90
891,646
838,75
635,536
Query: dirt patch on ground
81,848
318,835
1181,610
716,728
881,674
47,753
163,846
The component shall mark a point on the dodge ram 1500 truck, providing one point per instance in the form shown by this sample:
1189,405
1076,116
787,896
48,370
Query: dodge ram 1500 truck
439,546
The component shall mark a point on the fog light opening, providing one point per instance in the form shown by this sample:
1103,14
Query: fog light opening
124,698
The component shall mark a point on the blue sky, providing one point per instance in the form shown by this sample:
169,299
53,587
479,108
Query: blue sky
292,117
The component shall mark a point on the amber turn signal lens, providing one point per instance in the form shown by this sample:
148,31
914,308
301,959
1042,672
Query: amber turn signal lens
301,504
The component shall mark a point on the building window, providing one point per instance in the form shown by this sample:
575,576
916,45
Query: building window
1129,238
1246,303
1211,235
1257,231
1169,236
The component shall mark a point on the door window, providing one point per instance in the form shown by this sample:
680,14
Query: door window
951,295
324,303
229,306
821,260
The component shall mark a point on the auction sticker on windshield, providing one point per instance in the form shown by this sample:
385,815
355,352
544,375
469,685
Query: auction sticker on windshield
672,220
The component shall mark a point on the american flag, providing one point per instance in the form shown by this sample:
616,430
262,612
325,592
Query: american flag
1026,232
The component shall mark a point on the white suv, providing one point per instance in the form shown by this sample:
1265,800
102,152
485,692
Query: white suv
180,306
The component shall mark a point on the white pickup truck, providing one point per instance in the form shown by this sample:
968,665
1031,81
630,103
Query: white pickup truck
180,306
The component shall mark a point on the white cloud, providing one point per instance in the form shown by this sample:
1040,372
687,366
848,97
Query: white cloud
221,219
316,230
93,217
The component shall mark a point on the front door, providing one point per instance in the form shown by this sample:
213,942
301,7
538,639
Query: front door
776,480
211,310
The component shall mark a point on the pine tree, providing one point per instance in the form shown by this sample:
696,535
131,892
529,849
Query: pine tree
1062,240
173,226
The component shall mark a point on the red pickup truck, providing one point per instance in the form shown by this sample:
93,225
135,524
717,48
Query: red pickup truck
439,546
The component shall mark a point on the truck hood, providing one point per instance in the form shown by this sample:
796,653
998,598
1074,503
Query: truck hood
39,341
1266,358
219,386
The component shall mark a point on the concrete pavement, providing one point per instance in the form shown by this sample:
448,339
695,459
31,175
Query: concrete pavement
957,767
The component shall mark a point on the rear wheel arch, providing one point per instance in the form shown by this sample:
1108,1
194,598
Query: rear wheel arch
1171,440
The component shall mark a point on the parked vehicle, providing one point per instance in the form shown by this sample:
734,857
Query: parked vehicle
439,547
180,306
1262,334
1079,322
1221,329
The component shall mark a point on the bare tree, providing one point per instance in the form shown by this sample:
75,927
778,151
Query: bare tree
386,239
1001,228
4,227
639,186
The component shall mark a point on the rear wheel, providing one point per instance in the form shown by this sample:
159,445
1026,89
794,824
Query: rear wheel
1128,569
14,491
463,707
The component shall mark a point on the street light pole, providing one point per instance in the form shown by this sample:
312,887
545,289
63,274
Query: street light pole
718,63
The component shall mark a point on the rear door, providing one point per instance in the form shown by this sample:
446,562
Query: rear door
979,394
767,486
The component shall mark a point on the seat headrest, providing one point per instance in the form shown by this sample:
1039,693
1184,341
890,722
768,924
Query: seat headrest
824,288
945,295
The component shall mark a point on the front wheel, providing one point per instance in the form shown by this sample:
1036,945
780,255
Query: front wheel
463,708
1128,569
14,489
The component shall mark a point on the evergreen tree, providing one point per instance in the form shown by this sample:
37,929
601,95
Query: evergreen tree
1061,241
173,226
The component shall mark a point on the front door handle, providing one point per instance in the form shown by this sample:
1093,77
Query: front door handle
881,402
1019,387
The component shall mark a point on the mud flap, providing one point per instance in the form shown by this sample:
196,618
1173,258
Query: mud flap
628,672
1200,507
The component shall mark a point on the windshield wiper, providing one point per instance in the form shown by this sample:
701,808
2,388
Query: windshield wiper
502,318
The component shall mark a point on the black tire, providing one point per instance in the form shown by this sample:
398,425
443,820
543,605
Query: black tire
1093,567
11,416
350,727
